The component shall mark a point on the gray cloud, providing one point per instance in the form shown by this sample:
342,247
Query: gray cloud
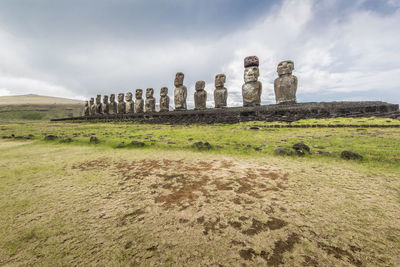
342,50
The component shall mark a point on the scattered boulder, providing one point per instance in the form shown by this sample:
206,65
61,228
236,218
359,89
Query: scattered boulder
350,155
254,128
283,151
301,148
94,139
66,140
50,137
137,144
202,146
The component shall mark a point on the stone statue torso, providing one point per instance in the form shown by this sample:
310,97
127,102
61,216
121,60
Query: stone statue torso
121,108
105,108
220,97
130,106
139,106
285,88
200,99
86,111
180,95
150,104
93,109
164,103
113,108
99,108
251,92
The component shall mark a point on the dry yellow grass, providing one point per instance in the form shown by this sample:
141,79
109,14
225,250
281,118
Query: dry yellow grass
71,205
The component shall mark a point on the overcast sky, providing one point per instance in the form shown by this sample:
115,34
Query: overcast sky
342,49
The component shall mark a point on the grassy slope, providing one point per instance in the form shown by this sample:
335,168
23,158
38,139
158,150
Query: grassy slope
36,107
77,203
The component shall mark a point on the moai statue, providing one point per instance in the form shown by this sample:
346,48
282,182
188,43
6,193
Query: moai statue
86,109
105,107
180,92
286,85
252,88
113,105
220,92
130,105
200,96
139,101
98,104
150,101
92,107
121,108
164,99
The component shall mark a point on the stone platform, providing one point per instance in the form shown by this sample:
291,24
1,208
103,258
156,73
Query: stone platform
287,113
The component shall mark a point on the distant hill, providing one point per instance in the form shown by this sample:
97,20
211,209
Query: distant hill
37,100
37,107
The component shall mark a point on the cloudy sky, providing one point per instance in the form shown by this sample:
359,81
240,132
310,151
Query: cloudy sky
342,49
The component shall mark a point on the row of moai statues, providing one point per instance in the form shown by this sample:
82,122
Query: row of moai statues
285,87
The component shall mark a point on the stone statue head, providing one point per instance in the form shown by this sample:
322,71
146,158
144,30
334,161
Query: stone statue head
139,93
179,79
112,97
120,97
129,96
86,103
285,67
164,91
251,74
200,85
149,93
251,71
220,80
91,101
105,99
98,99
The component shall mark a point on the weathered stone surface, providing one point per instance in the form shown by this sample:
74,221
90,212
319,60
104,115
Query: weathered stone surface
200,96
113,105
350,155
130,105
137,144
98,104
150,101
121,108
105,107
252,88
251,61
50,137
92,107
139,103
180,92
93,139
86,109
285,86
220,92
164,99
202,146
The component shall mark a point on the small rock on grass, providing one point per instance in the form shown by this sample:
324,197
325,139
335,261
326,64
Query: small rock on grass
50,137
137,144
201,146
94,139
350,155
283,151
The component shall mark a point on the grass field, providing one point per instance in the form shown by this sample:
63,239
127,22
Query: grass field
72,202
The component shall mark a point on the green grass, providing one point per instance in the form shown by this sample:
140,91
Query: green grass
379,147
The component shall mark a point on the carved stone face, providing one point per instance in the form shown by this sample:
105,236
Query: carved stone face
179,79
98,99
200,85
251,74
120,97
149,93
164,91
112,97
105,99
139,93
285,67
129,96
91,101
220,80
